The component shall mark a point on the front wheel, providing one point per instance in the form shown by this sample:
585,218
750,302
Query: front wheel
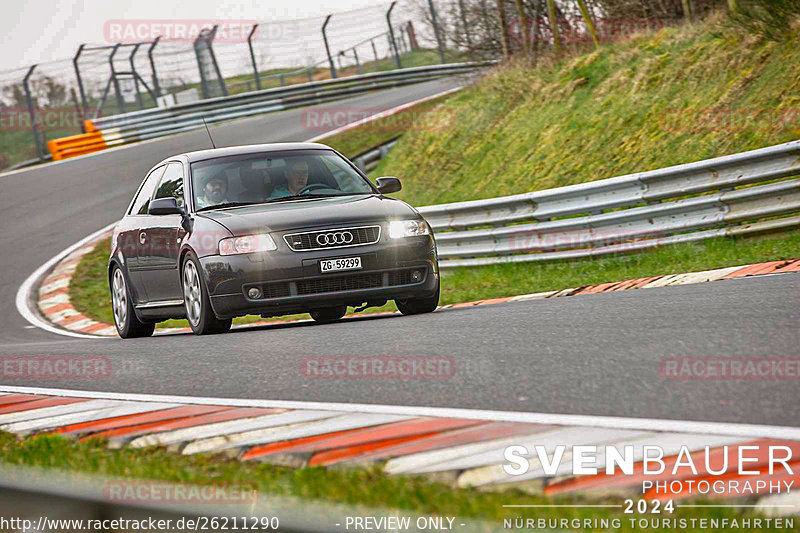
128,324
417,306
201,317
329,314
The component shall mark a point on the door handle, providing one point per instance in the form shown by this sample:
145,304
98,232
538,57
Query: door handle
142,237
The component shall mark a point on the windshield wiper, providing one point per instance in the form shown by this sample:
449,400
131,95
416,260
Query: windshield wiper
224,205
301,196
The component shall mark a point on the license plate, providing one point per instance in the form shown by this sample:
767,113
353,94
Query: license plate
337,265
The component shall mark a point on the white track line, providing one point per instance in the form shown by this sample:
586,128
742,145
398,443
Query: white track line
25,303
381,115
647,424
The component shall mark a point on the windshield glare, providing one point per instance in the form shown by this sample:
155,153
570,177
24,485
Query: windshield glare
270,176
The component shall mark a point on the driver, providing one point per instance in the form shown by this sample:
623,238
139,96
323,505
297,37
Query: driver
214,192
296,179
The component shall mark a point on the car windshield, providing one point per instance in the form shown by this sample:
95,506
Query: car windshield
273,177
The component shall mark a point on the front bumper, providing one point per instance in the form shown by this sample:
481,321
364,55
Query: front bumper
291,282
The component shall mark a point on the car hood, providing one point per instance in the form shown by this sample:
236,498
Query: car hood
306,214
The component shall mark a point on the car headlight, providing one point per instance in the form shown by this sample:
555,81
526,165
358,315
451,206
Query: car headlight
408,228
246,244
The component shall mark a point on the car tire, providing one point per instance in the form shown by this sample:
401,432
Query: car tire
417,306
199,313
128,324
328,314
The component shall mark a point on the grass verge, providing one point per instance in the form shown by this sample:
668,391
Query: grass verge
362,486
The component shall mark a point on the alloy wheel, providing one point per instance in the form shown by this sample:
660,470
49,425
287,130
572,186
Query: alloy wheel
119,298
192,296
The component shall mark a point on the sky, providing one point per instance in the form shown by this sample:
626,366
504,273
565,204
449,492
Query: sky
39,31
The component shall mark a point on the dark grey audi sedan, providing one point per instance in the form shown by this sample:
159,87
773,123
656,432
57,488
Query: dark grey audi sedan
269,229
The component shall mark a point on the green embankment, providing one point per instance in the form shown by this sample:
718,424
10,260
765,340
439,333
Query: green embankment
682,94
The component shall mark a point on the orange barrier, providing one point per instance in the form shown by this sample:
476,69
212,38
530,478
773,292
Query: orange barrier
76,145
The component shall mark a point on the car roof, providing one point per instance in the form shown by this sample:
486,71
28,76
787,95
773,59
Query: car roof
201,155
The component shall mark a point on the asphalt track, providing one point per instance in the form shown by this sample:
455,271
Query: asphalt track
593,355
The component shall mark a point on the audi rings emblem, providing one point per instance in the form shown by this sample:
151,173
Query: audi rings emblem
331,239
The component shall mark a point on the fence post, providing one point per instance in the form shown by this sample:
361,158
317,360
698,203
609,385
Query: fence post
84,105
156,86
214,61
253,57
32,113
391,35
374,51
436,31
203,81
136,75
120,103
327,48
358,64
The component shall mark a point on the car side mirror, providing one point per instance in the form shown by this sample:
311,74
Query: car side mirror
388,184
165,206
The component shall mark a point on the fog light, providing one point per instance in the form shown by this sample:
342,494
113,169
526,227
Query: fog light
416,275
254,293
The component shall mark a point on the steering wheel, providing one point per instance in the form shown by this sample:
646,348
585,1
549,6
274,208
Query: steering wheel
312,187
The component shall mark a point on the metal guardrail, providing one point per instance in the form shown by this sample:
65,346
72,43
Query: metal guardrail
627,213
368,160
150,123
46,497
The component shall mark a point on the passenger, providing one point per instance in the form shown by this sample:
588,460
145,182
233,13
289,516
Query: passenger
214,192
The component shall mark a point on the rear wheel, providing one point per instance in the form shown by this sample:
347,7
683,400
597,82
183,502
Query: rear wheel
329,314
128,324
417,306
201,317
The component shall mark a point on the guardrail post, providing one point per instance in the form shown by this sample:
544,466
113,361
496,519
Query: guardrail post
32,113
156,86
84,105
327,48
436,32
397,62
253,58
120,103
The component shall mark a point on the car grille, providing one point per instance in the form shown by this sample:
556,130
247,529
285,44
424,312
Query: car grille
333,238
322,285
342,283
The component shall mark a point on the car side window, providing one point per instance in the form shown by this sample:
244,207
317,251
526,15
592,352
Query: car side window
142,201
171,184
